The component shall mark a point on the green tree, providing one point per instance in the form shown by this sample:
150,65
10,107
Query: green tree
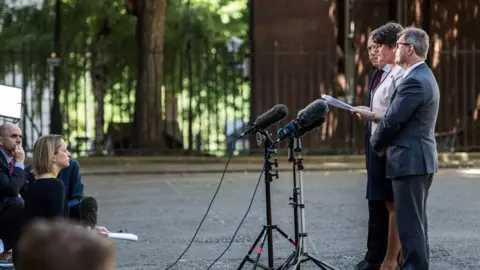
101,41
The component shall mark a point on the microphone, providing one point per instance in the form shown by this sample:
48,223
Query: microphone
309,118
275,114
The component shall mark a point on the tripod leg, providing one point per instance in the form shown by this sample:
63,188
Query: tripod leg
285,235
313,246
292,257
260,249
286,264
252,248
322,265
299,261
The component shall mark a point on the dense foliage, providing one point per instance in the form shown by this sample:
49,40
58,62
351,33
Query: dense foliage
194,28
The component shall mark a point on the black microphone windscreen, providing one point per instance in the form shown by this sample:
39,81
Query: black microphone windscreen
305,129
275,114
314,111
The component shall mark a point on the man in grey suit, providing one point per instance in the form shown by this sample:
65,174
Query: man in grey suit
406,135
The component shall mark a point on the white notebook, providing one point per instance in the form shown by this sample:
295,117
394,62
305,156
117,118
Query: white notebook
123,236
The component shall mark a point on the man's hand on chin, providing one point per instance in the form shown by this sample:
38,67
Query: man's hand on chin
381,153
19,154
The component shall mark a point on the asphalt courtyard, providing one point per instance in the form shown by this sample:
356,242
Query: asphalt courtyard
165,210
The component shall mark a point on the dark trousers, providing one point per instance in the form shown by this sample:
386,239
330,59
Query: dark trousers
411,193
377,232
11,222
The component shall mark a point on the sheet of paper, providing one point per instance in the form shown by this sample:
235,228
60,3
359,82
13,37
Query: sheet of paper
336,103
123,236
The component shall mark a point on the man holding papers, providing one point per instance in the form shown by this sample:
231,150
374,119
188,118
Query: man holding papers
379,187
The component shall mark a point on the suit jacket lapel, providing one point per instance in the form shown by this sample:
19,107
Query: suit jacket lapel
3,162
417,68
2,158
396,88
372,79
381,81
370,85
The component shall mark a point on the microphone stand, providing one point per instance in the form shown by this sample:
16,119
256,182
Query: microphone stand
301,255
267,231
292,259
294,198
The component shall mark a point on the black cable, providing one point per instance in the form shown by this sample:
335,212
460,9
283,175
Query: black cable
248,210
209,206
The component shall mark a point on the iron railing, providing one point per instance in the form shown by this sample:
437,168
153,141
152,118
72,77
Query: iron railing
207,101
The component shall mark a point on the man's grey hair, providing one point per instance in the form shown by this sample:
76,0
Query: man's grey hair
418,38
3,128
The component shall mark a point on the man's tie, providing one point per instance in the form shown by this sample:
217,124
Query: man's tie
378,78
11,165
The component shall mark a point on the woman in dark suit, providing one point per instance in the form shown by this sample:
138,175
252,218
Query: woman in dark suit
379,186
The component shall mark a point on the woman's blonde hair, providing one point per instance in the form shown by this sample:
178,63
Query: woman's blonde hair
43,151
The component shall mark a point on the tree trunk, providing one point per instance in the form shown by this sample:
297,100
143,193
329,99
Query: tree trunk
148,127
99,83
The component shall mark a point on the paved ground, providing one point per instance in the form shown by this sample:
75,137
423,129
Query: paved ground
165,210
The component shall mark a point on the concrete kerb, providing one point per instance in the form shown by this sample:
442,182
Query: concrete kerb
94,161
205,170
194,165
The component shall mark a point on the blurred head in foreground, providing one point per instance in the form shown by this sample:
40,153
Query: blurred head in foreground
59,245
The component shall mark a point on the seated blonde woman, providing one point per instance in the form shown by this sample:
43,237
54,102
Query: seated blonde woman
58,245
45,197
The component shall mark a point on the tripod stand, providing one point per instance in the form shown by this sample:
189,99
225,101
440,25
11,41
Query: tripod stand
267,231
301,254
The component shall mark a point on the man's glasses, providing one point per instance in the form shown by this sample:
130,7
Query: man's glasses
403,43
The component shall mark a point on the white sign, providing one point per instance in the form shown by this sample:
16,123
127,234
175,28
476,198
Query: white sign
11,102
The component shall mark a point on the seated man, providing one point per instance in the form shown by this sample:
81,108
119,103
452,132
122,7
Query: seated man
82,209
12,180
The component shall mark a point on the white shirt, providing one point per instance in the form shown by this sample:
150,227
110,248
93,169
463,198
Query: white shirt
384,91
409,70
